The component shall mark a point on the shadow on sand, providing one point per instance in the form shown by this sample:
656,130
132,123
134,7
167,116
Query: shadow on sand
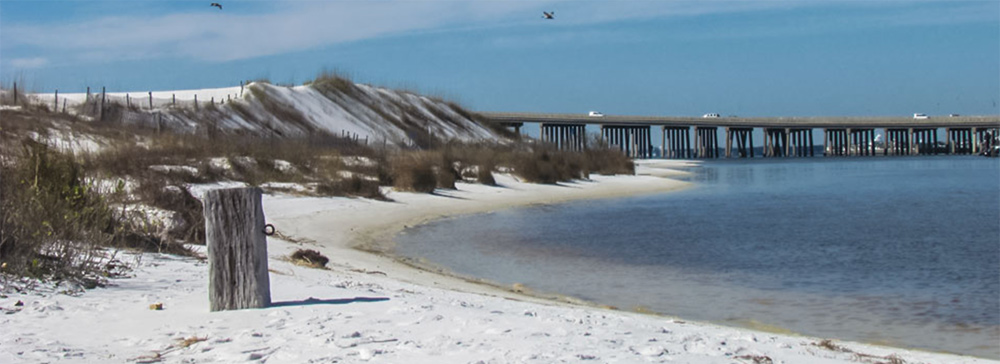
336,301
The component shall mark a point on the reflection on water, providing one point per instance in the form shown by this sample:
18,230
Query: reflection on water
903,251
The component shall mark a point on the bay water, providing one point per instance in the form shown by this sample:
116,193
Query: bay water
896,251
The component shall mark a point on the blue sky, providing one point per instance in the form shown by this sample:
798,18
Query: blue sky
747,58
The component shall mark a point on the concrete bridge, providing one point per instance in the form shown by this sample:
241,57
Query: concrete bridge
697,137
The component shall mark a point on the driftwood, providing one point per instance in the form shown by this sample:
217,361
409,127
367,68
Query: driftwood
237,249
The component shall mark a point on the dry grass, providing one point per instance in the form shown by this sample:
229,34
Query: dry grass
186,342
860,357
54,222
309,258
415,171
756,359
45,193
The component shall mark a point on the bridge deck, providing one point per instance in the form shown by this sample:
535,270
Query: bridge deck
829,122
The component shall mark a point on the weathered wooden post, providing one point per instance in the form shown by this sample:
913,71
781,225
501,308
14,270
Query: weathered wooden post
55,105
237,249
151,100
15,93
103,96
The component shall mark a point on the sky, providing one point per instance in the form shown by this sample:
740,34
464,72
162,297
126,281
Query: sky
621,57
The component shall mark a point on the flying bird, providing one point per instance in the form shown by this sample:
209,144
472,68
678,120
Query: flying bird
216,5
549,14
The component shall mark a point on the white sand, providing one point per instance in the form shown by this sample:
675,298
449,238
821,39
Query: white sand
367,307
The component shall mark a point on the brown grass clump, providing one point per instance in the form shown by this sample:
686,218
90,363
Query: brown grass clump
830,345
309,258
547,165
415,171
186,342
354,186
756,359
860,357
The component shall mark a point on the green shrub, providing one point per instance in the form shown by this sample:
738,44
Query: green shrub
53,222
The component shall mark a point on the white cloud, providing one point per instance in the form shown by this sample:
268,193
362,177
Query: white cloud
220,36
25,63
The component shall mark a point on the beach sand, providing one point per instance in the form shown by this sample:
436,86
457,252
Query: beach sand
370,307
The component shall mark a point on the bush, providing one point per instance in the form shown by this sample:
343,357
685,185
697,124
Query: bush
548,165
190,219
414,171
602,159
53,223
354,186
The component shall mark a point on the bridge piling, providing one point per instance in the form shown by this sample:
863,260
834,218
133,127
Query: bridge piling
974,139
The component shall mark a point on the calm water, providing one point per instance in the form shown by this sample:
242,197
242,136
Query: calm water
899,251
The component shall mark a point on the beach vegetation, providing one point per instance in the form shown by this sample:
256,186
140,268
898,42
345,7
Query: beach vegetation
859,357
57,224
130,187
309,258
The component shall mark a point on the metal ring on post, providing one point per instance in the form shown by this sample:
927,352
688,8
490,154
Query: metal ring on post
269,230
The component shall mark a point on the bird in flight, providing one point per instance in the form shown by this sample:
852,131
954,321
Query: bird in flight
216,5
549,14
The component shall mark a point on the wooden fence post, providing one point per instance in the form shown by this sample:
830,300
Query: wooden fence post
15,93
151,100
103,93
55,105
237,249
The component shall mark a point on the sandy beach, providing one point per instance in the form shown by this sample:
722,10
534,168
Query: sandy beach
370,307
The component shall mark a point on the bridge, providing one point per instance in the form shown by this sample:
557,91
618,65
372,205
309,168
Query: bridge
783,136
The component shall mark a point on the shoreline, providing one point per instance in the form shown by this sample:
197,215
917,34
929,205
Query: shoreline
382,240
377,240
369,243
370,307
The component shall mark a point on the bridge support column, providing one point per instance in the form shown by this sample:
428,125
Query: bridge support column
826,142
950,134
663,142
974,147
812,147
935,137
566,136
768,144
786,136
729,143
675,142
707,142
737,137
852,142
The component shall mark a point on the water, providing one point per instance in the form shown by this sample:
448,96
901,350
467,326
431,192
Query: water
898,251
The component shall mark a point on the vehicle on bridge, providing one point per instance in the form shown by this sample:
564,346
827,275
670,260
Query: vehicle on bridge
920,116
711,115
595,114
